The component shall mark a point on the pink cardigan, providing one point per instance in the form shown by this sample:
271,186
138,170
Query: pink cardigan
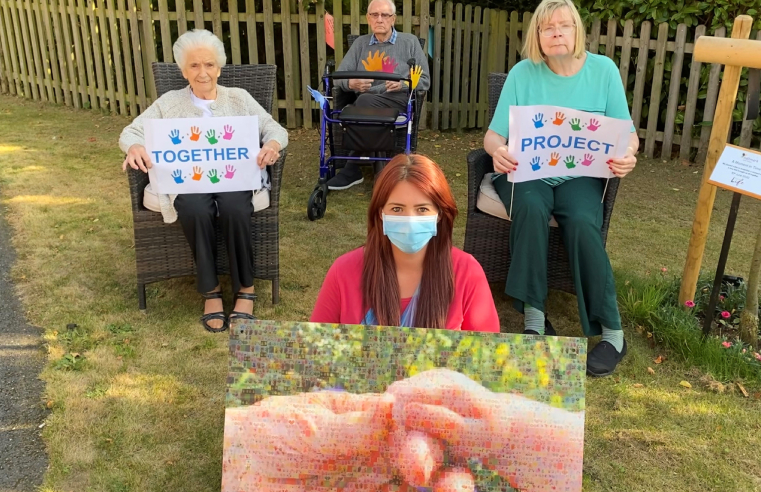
340,298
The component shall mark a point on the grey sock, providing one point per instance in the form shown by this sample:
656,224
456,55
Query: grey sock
533,319
614,337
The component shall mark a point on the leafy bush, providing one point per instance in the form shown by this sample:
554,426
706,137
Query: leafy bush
653,305
713,15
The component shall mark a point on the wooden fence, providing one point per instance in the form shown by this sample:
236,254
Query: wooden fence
97,54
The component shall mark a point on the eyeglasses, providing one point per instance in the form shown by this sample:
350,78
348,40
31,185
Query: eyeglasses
375,15
565,30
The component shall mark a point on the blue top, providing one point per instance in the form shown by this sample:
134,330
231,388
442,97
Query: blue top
596,88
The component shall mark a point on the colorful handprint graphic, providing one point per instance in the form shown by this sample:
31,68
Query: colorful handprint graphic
415,74
228,132
175,136
211,137
374,62
197,173
559,119
593,125
538,123
195,133
230,172
554,158
575,124
213,176
588,160
570,162
177,175
535,164
389,65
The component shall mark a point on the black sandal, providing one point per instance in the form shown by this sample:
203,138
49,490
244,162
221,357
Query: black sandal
220,315
239,315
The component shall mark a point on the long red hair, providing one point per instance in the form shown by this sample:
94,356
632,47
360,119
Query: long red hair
380,286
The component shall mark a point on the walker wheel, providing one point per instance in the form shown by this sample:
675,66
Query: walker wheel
317,203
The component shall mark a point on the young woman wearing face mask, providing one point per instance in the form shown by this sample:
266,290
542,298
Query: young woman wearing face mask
408,273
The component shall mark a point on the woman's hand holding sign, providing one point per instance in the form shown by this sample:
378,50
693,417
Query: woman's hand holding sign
504,162
137,158
268,154
623,166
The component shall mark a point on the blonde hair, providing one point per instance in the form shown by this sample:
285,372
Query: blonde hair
532,49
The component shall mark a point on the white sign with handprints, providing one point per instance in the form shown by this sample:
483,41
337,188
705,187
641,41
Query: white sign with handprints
203,155
739,170
551,141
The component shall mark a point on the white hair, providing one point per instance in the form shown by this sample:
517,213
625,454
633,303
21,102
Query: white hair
198,38
389,2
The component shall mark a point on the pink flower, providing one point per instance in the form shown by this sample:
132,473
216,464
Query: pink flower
757,356
721,298
689,304
664,269
725,314
726,344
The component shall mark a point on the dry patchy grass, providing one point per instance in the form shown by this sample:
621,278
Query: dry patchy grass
141,408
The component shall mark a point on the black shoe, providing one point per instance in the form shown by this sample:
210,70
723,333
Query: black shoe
548,329
349,176
214,316
239,315
603,359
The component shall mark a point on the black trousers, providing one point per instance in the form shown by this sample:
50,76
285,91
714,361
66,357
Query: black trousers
396,100
197,213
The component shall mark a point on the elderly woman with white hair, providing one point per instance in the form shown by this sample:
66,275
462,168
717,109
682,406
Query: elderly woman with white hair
201,56
558,71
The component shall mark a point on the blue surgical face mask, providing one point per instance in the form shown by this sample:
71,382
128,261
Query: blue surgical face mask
410,233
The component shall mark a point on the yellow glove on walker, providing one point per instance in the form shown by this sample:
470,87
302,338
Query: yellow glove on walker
415,75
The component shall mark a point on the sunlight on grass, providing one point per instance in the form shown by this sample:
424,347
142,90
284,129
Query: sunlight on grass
48,200
140,407
145,388
27,170
9,149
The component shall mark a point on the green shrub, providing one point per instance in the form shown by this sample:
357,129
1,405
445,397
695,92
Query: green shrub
712,14
653,305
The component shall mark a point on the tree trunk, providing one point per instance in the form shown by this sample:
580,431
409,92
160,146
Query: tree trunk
749,317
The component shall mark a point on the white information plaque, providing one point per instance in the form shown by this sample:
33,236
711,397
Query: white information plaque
738,170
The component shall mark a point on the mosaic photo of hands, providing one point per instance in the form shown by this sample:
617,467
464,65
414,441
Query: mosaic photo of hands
270,359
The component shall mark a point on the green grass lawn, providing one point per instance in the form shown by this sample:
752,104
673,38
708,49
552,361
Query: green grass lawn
137,398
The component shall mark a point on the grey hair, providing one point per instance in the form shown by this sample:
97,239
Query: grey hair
389,2
198,38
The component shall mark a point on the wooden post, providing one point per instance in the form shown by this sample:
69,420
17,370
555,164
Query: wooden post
709,49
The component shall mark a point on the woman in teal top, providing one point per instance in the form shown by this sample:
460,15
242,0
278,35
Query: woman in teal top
558,71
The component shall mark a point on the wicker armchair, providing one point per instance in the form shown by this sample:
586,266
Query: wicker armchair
341,98
487,237
161,251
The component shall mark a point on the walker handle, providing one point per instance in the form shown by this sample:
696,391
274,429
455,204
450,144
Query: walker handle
394,77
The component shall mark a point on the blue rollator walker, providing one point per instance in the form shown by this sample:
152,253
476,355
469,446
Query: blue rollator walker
351,130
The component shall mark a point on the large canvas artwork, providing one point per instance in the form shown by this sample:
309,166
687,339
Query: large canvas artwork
320,407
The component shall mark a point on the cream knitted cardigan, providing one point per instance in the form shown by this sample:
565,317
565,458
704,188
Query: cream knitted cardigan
178,104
